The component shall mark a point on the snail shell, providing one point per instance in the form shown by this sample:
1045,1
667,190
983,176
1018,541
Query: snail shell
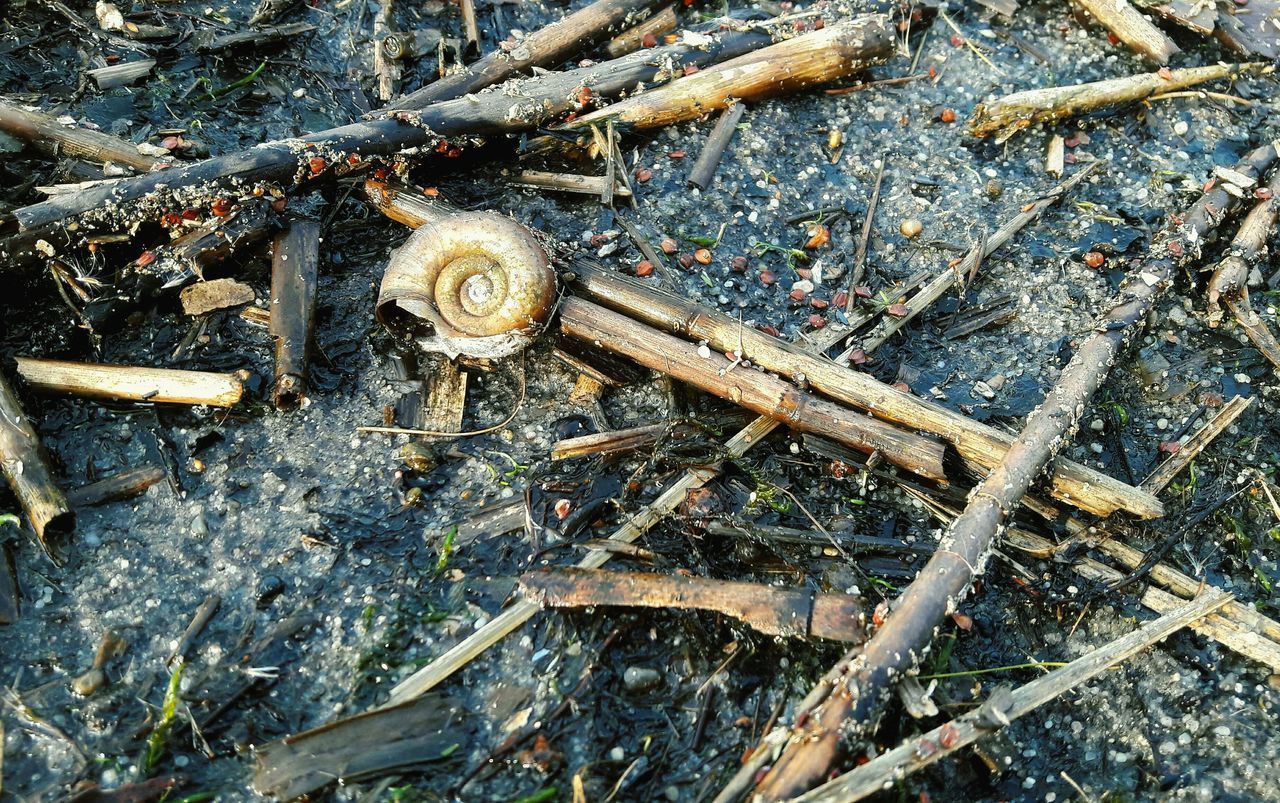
479,281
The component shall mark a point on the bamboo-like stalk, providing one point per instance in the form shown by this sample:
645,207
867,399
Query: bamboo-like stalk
1230,281
470,29
977,443
835,51
294,262
518,106
921,751
1008,115
632,39
53,138
753,390
705,168
768,609
570,182
1132,28
131,383
543,48
897,647
26,467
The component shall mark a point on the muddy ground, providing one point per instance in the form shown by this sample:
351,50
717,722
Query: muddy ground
296,518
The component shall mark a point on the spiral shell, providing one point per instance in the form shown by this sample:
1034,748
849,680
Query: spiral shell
481,283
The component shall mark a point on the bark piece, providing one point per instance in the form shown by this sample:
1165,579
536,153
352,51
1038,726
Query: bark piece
202,298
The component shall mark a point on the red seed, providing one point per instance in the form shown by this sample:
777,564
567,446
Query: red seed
769,330
686,260
1094,259
1169,447
643,174
862,291
957,40
170,219
963,621
817,321
857,357
933,71
819,235
948,736
220,207
739,264
767,277
703,256
430,192
690,69
1165,73
796,295
880,614
1071,141
669,246
819,303
278,204
1263,193
676,155
649,40
171,143
145,258
897,310
644,268
1113,39
804,273
948,116
818,24
841,299
317,165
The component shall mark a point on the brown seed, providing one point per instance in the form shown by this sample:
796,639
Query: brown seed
841,299
862,291
948,116
1094,259
1263,193
767,278
644,268
739,264
819,235
769,330
649,40
686,260
911,227
317,165
805,273
703,256
897,310
817,321
797,295
1165,73
643,174
819,303
669,246
676,155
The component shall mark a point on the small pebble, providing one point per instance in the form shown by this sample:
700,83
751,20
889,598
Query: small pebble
911,227
1162,424
1180,128
640,679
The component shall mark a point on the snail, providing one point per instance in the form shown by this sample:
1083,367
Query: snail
479,281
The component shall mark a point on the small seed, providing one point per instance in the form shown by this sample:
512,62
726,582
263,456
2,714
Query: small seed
686,260
819,235
644,268
835,138
841,299
948,116
703,256
669,246
819,303
739,264
796,295
911,227
643,174
1094,259
897,310
817,321
767,278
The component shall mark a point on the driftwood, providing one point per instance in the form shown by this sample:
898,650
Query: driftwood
1230,281
754,390
26,467
836,51
1003,707
55,139
854,707
124,485
131,383
977,443
1008,115
515,106
793,612
294,261
1130,27
544,48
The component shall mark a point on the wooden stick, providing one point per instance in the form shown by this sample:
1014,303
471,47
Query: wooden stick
753,390
1006,116
123,485
897,647
978,443
294,262
632,39
835,51
444,397
864,239
726,126
547,47
470,30
1230,280
882,771
55,139
386,70
26,467
131,383
612,442
1132,28
792,612
520,105
209,41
